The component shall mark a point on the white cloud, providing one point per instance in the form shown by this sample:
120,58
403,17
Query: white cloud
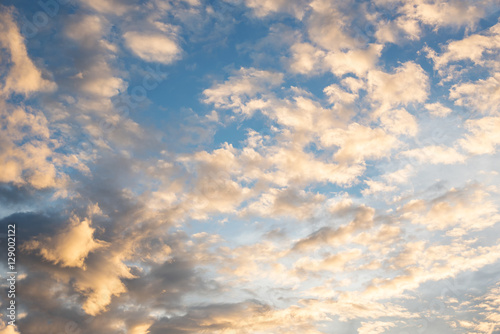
27,150
376,187
306,59
363,220
446,13
474,48
116,7
285,202
398,29
263,8
482,95
358,143
375,327
357,61
484,136
22,75
464,209
98,80
338,95
435,155
153,47
237,90
408,83
328,27
438,110
398,121
333,263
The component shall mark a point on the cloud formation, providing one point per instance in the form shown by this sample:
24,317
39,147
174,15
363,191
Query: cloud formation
251,166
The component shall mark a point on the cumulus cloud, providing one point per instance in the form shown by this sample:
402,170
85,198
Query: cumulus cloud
299,173
398,121
397,30
306,59
153,47
483,137
262,8
22,75
437,109
482,95
358,143
238,90
6,329
390,181
70,247
446,13
474,48
27,154
357,61
408,83
328,28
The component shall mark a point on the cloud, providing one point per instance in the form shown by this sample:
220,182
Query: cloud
306,59
99,80
375,327
100,282
334,236
429,265
358,143
22,75
487,304
482,95
70,247
88,30
285,202
263,8
438,110
293,177
7,329
408,83
238,90
338,95
397,30
153,47
357,61
474,48
244,317
398,121
484,135
116,7
332,263
463,209
377,186
446,13
327,27
435,155
27,155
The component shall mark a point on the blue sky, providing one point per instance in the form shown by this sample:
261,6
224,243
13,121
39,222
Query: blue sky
251,166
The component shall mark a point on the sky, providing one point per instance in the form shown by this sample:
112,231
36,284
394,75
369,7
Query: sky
251,166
